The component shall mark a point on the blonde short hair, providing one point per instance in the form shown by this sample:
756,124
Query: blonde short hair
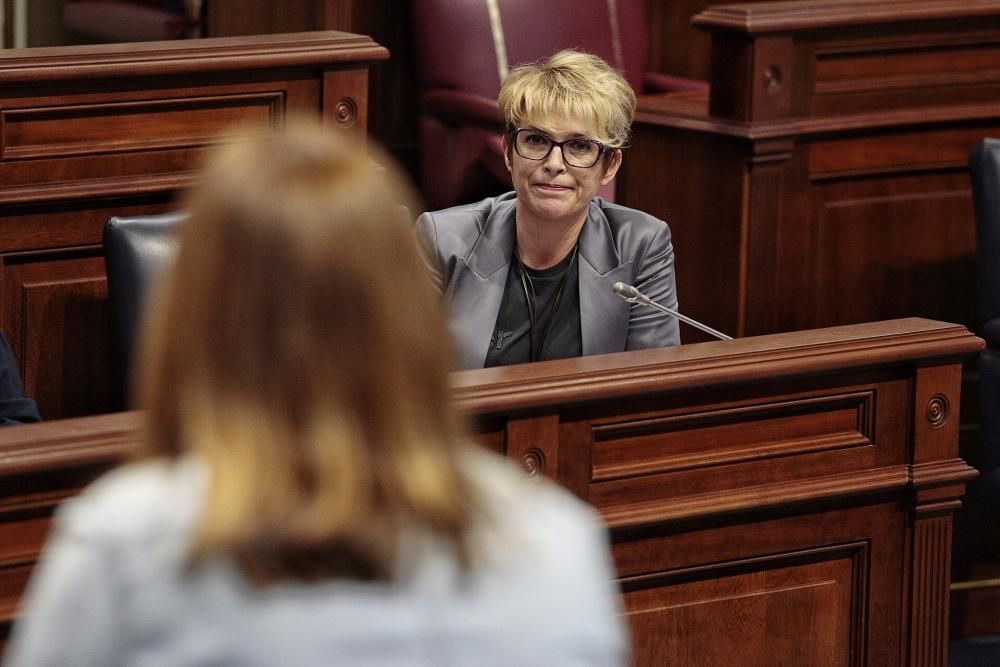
573,84
298,347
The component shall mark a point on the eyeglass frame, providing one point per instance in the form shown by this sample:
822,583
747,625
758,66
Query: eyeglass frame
602,149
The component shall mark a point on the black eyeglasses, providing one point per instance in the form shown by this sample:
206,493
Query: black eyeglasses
576,152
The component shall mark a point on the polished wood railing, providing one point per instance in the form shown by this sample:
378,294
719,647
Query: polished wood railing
782,499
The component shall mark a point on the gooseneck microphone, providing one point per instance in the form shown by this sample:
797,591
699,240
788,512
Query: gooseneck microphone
632,295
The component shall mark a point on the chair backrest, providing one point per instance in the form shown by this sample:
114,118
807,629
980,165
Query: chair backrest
463,45
131,20
984,169
136,249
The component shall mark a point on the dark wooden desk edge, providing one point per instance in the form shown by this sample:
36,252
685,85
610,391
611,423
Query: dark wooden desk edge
326,47
771,17
758,358
88,441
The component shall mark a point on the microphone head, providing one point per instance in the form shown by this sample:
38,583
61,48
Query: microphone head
626,292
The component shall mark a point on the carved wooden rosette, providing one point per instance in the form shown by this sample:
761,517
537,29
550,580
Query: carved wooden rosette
939,479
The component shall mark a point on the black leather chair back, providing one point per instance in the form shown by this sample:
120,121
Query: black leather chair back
136,249
984,168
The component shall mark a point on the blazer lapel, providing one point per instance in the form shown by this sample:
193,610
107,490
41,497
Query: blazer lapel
603,314
476,290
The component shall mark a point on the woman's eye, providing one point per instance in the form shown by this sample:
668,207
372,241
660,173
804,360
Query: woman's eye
580,146
537,139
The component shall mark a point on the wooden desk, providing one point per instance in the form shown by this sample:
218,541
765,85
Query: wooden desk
784,499
823,181
94,131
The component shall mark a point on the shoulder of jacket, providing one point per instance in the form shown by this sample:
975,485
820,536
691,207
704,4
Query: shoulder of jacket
137,499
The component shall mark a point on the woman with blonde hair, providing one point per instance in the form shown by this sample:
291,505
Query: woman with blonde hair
304,493
528,275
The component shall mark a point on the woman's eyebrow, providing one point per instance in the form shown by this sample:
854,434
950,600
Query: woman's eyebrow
549,133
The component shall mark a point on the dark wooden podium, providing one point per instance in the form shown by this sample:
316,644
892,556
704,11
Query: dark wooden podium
778,500
823,179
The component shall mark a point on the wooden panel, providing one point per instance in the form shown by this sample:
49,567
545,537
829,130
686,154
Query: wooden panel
58,326
852,201
148,140
674,46
896,151
22,532
916,63
30,493
654,180
785,560
721,476
394,84
728,435
394,89
770,176
845,587
930,591
237,17
887,246
491,434
91,132
850,57
129,126
784,609
877,69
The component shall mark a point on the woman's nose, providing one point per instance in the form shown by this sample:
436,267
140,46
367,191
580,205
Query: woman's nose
554,160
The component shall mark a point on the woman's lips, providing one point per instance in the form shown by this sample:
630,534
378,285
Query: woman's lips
551,187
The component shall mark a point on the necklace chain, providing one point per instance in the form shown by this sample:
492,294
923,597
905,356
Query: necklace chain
538,338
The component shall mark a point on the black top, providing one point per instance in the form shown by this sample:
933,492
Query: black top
556,335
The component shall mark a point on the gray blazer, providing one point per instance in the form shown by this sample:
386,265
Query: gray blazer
471,246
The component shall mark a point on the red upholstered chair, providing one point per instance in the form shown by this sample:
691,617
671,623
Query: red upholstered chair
132,20
465,47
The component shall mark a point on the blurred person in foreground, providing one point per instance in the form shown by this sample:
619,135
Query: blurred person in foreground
304,493
528,275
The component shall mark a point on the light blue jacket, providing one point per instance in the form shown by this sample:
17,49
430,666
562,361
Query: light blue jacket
113,588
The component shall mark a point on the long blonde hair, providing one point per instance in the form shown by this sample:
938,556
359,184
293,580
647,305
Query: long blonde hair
298,348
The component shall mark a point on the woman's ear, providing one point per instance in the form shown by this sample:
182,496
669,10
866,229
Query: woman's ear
506,151
612,163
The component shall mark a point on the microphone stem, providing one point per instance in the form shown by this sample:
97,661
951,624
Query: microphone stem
645,300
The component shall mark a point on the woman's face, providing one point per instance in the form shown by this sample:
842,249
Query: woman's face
551,190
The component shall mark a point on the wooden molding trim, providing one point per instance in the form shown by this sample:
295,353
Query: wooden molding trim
761,497
662,110
713,364
324,47
75,443
765,17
